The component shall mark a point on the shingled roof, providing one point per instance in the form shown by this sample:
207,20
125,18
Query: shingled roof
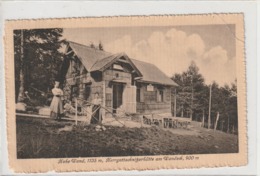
88,56
152,74
100,64
94,60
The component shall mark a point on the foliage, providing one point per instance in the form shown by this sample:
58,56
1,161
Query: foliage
40,60
92,45
191,83
98,47
193,100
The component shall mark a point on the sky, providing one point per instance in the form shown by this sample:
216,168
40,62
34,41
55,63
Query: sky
170,48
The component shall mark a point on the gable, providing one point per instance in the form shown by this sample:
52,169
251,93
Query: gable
103,64
87,55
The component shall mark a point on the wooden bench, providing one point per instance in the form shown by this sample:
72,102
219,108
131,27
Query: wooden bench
167,122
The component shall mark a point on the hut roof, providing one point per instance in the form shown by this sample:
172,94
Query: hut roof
88,56
94,60
152,74
104,62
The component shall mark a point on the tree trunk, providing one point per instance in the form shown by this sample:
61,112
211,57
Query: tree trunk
191,112
228,125
175,101
209,123
181,110
222,122
203,119
216,123
21,74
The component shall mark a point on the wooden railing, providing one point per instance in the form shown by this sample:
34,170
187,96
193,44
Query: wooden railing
106,109
154,119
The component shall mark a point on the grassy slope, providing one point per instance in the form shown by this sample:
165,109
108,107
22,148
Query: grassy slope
41,138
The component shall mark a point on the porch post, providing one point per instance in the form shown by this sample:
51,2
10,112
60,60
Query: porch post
102,110
175,101
76,111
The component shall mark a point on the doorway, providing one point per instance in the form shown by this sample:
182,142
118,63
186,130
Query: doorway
117,96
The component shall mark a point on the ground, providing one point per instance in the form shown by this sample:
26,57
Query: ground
46,138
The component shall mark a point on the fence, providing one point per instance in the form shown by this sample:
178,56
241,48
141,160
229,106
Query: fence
154,119
92,114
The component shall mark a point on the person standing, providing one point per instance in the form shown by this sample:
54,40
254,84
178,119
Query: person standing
56,106
96,116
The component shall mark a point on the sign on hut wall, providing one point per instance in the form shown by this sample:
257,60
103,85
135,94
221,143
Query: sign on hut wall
150,88
117,67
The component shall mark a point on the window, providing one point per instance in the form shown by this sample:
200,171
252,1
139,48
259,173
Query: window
150,96
87,92
160,96
74,91
138,94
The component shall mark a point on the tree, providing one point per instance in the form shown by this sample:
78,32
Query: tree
224,104
19,65
191,84
37,59
232,108
100,46
183,94
197,84
203,104
92,45
193,97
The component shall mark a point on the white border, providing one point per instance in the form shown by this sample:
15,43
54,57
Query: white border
58,9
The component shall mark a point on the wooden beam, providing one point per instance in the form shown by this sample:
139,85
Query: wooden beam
69,52
124,61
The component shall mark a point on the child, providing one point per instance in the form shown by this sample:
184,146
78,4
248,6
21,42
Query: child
96,116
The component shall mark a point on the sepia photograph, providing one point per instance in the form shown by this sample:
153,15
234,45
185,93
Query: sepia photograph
126,92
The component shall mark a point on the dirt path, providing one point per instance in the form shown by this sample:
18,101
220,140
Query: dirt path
45,138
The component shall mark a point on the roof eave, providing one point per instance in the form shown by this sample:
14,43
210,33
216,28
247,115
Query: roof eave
154,82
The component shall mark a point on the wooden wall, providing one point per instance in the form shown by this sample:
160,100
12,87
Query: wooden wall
149,100
109,76
82,84
85,85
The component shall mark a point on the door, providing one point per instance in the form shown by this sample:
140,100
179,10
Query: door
130,99
117,96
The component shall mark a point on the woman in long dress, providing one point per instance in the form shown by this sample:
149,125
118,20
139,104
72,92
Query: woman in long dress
56,103
96,116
